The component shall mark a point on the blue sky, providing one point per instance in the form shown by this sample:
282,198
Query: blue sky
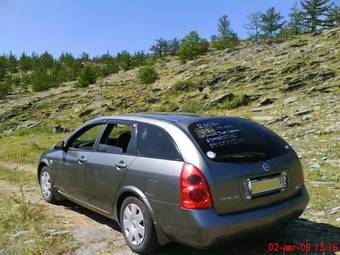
98,26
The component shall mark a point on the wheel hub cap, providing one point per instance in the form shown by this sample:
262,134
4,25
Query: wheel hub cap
133,224
45,184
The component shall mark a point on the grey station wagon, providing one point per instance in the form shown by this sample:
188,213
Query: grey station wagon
195,180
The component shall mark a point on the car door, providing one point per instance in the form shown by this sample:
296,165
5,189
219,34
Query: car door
109,162
70,169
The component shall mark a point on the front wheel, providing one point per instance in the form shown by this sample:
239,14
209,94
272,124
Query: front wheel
137,226
46,186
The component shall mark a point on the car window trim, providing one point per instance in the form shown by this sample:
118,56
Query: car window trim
173,141
87,127
133,136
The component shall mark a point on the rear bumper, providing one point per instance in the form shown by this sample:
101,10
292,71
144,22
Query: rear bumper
205,228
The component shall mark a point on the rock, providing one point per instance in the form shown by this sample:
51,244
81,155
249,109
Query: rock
307,117
289,100
281,118
255,77
205,97
334,210
220,99
85,112
319,76
333,128
292,68
315,166
265,101
21,234
292,123
302,112
54,232
151,100
292,84
236,79
60,129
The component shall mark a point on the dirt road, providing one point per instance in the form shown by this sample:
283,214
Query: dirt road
99,235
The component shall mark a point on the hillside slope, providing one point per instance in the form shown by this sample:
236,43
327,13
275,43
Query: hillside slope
292,87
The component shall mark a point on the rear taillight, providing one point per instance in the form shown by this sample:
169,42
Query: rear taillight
194,191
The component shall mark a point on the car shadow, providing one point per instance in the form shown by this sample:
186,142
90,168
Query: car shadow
300,233
91,214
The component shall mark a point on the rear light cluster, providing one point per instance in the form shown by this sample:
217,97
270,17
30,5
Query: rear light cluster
195,193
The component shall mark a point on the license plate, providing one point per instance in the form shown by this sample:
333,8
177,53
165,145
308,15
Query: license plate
266,185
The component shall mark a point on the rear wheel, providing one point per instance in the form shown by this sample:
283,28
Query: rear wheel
46,186
137,226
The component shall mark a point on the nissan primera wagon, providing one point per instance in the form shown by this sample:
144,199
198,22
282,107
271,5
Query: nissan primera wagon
196,180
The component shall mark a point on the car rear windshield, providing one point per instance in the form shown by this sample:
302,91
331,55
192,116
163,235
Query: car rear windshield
235,139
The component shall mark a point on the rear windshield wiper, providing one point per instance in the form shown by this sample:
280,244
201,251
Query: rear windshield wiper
243,155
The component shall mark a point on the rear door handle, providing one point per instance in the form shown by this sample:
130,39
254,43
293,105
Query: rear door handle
82,159
121,165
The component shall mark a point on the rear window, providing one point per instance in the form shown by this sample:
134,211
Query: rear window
233,139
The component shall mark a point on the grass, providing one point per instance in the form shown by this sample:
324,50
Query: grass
193,106
233,103
25,146
18,177
24,229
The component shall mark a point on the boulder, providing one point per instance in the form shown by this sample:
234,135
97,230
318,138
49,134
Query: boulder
220,99
292,84
265,101
60,129
151,100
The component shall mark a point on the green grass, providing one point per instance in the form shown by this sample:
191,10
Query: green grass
235,102
24,229
25,146
18,177
193,106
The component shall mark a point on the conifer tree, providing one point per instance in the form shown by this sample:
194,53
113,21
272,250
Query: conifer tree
313,13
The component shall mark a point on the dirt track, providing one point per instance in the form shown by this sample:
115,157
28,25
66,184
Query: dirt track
99,235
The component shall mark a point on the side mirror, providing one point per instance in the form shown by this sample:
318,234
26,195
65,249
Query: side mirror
59,145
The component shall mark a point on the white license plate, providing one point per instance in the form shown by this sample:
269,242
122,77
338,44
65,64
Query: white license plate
268,184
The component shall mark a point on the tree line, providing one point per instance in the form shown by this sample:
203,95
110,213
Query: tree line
44,71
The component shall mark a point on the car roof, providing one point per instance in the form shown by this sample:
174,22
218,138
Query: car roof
159,118
170,117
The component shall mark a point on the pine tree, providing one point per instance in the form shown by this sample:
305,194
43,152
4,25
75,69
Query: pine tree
226,37
5,86
333,18
254,25
87,76
313,11
139,58
271,22
25,62
295,25
160,47
124,60
191,46
46,60
173,46
3,67
41,80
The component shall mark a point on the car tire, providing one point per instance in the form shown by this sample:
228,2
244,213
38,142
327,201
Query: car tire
46,186
134,218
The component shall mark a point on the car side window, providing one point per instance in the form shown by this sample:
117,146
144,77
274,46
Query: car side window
86,139
154,142
116,139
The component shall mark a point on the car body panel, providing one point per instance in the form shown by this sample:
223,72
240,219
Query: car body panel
103,178
156,182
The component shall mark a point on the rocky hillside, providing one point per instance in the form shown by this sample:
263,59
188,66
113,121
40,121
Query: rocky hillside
292,87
